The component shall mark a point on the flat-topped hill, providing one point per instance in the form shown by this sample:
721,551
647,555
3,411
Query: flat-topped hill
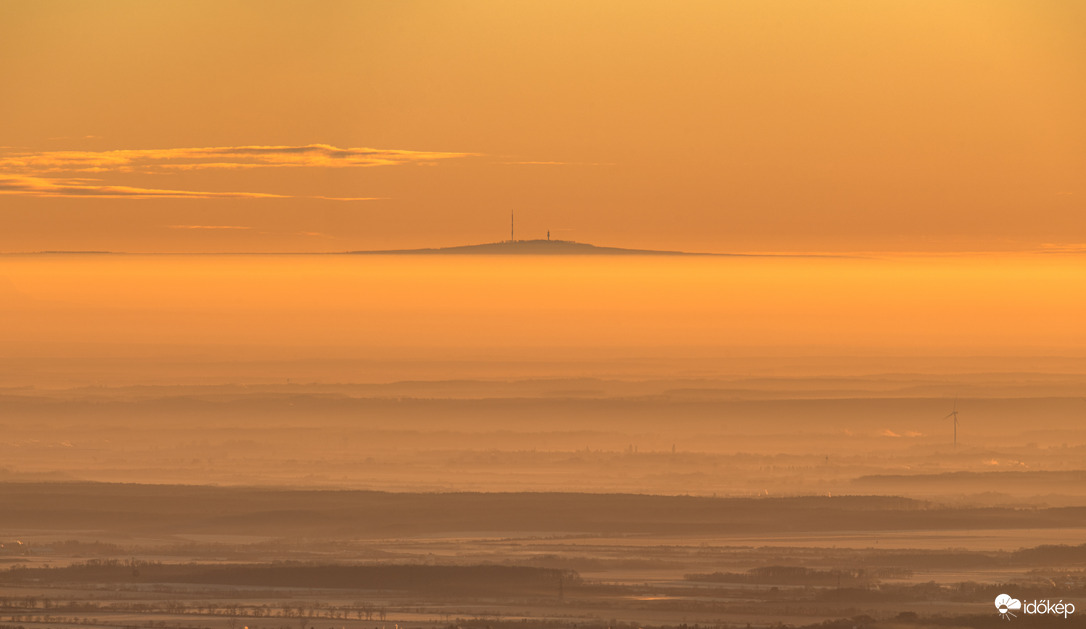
530,247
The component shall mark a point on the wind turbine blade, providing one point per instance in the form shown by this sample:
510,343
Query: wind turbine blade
951,414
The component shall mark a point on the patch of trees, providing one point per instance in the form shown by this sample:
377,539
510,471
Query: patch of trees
797,575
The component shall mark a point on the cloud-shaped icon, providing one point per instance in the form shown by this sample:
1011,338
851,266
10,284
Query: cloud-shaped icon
1004,604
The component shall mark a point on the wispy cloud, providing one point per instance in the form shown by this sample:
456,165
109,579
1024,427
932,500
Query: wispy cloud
549,163
536,163
215,158
350,198
1063,247
76,137
42,173
243,227
90,188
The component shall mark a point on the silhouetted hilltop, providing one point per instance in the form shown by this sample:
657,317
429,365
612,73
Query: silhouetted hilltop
532,247
174,509
431,579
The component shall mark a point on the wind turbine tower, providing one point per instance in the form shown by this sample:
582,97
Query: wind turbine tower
512,225
954,414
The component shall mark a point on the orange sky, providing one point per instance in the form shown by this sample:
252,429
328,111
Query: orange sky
235,318
713,126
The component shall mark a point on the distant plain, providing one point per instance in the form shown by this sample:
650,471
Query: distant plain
210,441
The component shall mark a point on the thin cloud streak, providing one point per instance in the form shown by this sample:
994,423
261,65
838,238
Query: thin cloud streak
551,163
229,227
215,158
35,173
537,163
86,188
1063,247
351,198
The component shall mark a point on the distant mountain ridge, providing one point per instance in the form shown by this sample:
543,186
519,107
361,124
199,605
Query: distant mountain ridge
531,247
505,247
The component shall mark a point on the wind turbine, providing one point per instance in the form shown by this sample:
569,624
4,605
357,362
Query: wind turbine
954,414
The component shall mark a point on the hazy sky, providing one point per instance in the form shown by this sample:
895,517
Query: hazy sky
715,126
85,319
